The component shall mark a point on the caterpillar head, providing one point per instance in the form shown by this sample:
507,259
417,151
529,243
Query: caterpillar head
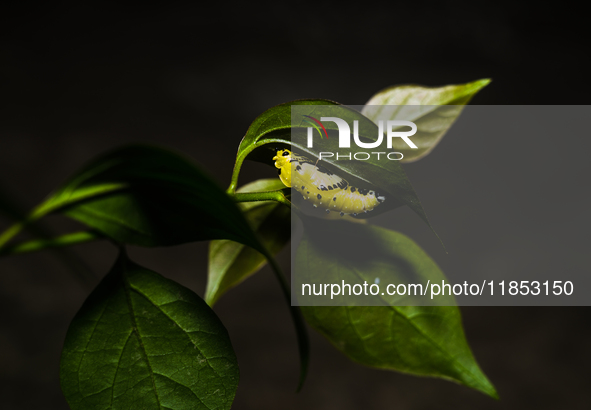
283,162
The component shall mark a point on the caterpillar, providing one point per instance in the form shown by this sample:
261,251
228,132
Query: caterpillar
323,188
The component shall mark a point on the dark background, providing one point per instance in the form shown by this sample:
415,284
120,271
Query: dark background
76,81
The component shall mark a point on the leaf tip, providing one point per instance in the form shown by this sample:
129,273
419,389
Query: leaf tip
209,299
484,385
491,391
479,84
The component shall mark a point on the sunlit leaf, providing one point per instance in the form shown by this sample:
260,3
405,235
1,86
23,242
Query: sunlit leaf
433,110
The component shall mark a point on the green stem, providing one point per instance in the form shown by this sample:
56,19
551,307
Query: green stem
278,196
60,241
236,172
242,156
296,314
298,321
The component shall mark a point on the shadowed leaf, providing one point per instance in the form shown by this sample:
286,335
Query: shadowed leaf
422,340
141,341
149,196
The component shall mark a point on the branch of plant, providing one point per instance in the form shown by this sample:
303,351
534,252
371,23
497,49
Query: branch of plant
236,172
298,321
242,156
278,196
296,314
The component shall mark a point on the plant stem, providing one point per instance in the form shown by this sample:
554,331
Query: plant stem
278,196
298,321
236,172
242,156
296,314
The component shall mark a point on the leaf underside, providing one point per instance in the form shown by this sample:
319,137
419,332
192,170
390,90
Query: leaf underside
422,340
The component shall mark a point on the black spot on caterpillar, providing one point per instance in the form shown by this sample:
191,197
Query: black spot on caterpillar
340,196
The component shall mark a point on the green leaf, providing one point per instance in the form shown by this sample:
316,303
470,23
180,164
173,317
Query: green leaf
149,196
231,262
421,340
273,129
145,342
433,110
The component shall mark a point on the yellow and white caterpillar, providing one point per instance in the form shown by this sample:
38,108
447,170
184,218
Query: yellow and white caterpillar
323,188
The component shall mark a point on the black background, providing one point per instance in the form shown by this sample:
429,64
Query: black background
76,81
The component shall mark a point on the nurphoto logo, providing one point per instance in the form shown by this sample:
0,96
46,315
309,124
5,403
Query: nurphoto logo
391,128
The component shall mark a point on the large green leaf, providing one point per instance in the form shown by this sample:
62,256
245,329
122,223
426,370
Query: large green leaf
422,340
274,129
433,110
231,262
149,196
141,341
